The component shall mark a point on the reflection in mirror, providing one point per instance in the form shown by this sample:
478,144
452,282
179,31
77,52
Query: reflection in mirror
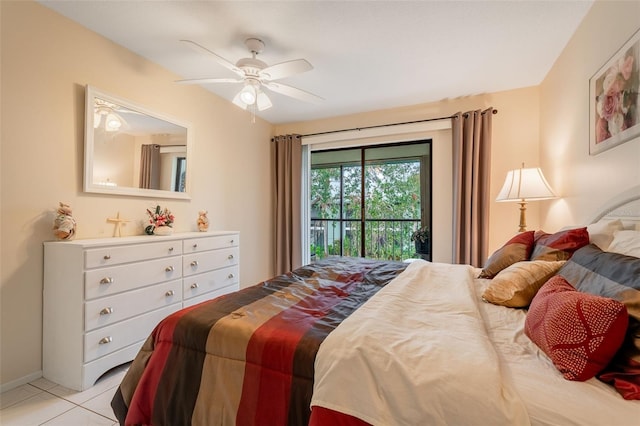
132,151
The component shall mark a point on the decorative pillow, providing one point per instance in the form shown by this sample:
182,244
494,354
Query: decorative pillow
558,246
616,276
624,371
601,232
606,274
515,250
625,242
516,285
580,332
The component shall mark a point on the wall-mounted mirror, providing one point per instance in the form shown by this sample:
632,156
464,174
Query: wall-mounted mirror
130,150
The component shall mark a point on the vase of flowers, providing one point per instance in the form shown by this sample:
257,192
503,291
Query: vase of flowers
421,237
160,221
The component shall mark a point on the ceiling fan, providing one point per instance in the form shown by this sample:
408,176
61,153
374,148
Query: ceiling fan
113,120
256,75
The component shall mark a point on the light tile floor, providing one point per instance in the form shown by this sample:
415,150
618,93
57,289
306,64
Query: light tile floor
42,402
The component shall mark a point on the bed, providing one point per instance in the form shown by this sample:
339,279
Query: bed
546,333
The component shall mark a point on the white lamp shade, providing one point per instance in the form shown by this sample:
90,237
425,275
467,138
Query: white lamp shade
238,102
263,101
248,94
525,184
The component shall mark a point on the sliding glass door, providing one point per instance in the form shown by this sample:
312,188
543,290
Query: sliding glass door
367,201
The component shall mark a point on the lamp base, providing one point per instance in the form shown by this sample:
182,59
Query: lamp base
523,220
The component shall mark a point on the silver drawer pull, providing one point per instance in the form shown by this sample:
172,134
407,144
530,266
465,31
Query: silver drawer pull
194,285
168,269
105,340
170,248
230,257
106,280
169,293
194,263
231,276
106,311
107,256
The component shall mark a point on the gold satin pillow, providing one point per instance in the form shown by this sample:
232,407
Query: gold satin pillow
516,285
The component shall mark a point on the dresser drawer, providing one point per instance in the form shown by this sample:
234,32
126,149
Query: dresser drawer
111,309
209,260
195,245
113,337
106,256
211,295
107,281
198,284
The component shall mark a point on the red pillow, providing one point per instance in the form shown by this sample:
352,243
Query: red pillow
580,332
558,246
515,250
624,371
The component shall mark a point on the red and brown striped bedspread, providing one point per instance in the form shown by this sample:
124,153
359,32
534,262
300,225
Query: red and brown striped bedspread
247,358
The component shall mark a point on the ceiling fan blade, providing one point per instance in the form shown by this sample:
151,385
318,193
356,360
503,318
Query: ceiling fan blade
293,92
285,69
222,61
209,80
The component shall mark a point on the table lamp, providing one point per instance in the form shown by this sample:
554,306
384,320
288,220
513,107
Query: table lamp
523,185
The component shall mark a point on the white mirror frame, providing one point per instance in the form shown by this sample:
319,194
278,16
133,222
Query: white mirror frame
89,145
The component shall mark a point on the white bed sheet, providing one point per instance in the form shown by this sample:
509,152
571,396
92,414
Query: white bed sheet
550,399
424,334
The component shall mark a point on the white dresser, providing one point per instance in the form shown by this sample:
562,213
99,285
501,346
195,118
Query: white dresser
102,297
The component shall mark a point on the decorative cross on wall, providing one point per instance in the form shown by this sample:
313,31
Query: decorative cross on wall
117,232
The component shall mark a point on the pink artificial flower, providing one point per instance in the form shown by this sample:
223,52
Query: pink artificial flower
610,105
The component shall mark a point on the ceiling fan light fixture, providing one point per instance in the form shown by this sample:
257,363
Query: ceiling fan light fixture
263,102
112,123
248,94
238,102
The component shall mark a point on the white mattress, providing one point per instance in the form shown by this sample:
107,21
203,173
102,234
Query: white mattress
549,398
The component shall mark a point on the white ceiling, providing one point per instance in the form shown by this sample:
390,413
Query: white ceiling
367,55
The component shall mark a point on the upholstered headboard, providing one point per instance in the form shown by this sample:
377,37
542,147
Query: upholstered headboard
625,207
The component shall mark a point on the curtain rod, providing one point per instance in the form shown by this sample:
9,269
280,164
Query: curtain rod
495,111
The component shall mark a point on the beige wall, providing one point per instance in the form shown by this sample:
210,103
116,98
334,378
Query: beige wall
46,62
515,140
585,182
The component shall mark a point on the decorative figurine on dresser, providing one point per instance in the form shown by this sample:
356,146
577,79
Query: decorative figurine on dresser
203,221
102,297
64,225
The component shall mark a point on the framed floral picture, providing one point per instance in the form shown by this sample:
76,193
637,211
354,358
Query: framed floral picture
614,104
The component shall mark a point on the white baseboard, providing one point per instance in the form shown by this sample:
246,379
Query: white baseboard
21,381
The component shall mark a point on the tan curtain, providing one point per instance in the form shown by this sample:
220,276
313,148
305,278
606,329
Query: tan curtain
287,156
150,166
471,171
